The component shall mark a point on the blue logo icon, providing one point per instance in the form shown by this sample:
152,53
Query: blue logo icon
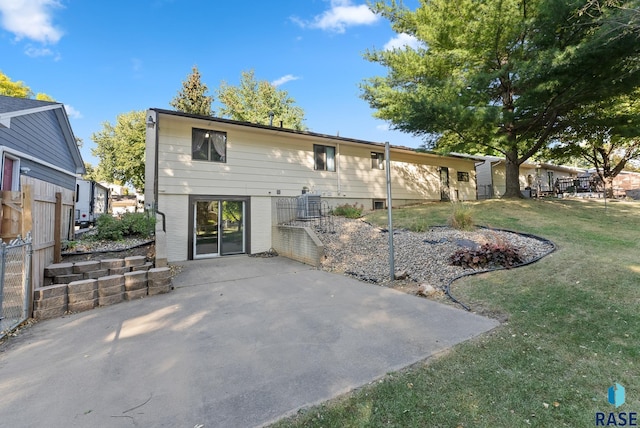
616,395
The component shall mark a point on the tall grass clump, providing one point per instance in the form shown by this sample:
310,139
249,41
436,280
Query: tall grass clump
349,211
461,217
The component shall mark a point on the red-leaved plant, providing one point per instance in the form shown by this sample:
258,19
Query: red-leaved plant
488,255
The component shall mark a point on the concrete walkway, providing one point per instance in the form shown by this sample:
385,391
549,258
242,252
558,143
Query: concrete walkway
240,342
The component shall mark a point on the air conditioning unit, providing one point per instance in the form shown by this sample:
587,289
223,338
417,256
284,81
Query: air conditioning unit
309,206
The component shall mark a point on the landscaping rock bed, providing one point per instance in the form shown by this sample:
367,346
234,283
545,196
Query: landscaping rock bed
97,250
361,250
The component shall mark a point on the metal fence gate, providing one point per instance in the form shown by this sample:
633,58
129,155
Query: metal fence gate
15,283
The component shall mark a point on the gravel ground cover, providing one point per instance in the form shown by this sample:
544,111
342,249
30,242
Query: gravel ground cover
361,250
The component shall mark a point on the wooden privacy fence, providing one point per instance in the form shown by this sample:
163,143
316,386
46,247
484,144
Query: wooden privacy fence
45,210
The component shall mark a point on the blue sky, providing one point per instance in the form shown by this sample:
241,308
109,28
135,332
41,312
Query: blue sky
103,58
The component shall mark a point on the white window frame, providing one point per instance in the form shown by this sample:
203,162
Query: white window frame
15,174
329,161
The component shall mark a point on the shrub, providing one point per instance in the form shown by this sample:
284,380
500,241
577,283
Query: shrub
130,224
348,211
108,228
488,255
138,224
461,217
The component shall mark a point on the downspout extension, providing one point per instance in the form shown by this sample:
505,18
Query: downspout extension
164,224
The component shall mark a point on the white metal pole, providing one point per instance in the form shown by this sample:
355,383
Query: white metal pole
389,215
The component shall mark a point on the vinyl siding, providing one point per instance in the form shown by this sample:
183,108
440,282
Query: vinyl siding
39,135
267,163
49,175
261,221
499,177
261,163
176,210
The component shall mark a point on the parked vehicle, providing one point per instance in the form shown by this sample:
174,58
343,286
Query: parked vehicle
92,200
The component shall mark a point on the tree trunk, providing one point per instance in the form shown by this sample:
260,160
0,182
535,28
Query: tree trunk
512,176
608,187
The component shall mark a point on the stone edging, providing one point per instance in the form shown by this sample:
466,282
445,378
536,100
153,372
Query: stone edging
80,286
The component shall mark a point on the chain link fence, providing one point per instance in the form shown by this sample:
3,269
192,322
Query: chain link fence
15,293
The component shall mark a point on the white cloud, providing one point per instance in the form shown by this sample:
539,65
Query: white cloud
30,19
341,15
383,127
401,41
284,79
72,113
35,52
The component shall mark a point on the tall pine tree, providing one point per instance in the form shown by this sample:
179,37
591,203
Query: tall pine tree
193,98
502,77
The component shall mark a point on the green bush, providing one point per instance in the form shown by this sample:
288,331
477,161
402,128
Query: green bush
461,218
348,211
130,224
109,228
138,224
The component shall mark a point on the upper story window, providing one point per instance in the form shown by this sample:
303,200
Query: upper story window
463,176
377,160
324,158
209,145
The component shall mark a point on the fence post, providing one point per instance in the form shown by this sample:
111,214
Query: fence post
27,207
28,293
3,256
57,230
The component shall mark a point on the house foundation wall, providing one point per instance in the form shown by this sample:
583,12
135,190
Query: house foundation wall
298,243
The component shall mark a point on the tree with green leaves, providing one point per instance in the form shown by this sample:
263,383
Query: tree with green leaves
19,89
502,77
193,98
259,102
93,173
606,135
121,149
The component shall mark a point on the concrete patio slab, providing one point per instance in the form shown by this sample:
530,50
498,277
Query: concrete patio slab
240,342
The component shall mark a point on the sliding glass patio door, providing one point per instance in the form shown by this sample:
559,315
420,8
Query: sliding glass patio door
219,228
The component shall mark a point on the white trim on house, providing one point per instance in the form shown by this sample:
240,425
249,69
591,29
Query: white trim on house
21,155
5,118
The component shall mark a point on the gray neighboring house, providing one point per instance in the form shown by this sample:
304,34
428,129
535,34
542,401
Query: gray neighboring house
36,139
40,161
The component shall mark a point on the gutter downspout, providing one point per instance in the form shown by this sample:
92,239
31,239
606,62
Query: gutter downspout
155,172
338,167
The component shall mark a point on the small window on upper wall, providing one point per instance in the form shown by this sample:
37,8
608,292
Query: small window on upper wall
377,160
207,145
324,158
463,176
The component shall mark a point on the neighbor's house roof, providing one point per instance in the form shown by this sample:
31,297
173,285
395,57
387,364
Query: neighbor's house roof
11,107
378,145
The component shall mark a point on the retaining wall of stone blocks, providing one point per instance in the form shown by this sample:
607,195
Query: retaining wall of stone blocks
80,286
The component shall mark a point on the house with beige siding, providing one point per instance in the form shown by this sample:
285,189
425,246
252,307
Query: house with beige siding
214,183
491,176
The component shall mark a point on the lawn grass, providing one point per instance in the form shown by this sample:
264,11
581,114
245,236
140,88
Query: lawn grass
573,329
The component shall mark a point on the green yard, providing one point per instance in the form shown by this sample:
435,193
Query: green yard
572,329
